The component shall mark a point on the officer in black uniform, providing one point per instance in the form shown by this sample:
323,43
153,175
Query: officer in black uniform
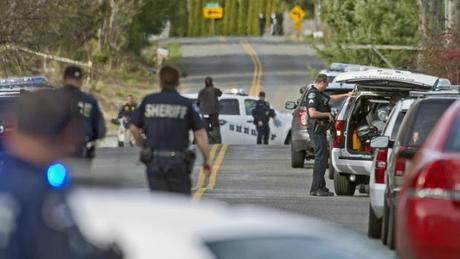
262,114
166,119
35,220
127,108
87,105
319,119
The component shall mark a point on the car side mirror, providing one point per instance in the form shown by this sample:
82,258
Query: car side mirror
407,153
290,105
380,142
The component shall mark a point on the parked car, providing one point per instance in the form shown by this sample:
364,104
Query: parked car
301,148
12,88
361,118
379,166
428,205
237,124
149,226
415,127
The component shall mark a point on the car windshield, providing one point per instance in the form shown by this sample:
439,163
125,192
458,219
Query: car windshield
453,141
278,248
426,117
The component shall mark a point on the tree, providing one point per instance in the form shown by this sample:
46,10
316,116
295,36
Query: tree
392,22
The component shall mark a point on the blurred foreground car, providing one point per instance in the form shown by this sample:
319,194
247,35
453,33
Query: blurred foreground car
149,226
428,205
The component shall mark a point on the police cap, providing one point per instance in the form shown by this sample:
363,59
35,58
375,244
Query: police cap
74,72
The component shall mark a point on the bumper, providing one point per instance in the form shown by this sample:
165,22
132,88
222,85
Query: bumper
300,140
350,166
377,198
428,228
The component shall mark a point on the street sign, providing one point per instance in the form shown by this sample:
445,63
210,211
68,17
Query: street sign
213,13
297,14
212,5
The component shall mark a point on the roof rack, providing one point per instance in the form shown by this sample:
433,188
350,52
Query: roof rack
446,93
24,82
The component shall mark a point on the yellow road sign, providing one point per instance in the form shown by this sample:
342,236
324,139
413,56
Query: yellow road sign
213,13
297,14
298,26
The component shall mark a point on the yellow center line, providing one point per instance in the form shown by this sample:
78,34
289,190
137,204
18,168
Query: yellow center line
201,175
213,177
258,70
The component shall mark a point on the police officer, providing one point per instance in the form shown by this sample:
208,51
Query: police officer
127,108
88,107
262,114
319,119
166,119
35,221
208,103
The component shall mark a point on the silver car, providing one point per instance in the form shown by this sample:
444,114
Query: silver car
363,117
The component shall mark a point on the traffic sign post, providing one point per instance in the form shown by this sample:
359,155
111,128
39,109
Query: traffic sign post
213,11
297,14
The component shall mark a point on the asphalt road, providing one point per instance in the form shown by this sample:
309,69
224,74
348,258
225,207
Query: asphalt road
259,175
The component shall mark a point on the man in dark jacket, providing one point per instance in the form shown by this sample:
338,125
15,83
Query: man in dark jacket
208,103
262,114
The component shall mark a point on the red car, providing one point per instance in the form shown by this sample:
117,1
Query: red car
428,205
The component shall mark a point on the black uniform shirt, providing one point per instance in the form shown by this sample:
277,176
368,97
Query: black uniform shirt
317,100
35,222
166,118
89,109
262,112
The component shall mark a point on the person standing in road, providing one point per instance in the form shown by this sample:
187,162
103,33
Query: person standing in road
127,108
262,114
166,119
36,222
261,24
88,107
208,102
319,120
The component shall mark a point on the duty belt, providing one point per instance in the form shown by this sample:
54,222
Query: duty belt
170,154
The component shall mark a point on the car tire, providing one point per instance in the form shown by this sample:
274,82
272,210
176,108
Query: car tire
391,229
297,158
121,144
331,170
384,232
343,186
375,224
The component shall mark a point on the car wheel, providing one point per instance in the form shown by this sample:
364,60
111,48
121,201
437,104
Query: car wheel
375,224
343,186
391,229
384,231
121,144
297,158
331,170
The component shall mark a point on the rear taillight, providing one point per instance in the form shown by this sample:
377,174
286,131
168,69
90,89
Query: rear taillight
339,137
380,165
302,116
441,174
400,164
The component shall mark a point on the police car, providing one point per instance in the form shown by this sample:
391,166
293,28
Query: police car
147,226
237,124
11,88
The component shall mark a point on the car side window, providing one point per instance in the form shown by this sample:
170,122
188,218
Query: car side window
229,107
249,105
397,124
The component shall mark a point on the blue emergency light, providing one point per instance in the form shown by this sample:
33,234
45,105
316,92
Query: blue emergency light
57,175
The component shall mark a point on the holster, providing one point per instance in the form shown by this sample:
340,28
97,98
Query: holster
146,156
190,158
